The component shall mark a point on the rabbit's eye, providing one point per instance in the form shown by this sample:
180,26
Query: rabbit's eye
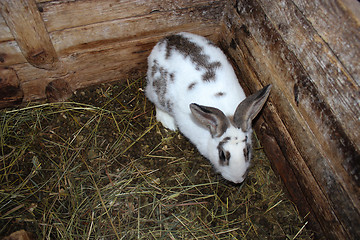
224,157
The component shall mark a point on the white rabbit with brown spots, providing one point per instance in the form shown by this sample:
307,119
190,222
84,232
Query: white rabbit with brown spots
195,90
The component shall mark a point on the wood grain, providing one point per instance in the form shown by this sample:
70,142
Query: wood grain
251,78
118,38
10,54
71,14
338,24
310,111
5,34
105,62
83,37
336,89
26,25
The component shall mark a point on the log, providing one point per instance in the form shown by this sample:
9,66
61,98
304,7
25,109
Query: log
78,25
72,14
27,27
10,54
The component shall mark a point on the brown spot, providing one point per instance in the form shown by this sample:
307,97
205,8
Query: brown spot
247,149
2,57
194,52
192,85
154,68
219,94
172,77
160,84
169,106
210,74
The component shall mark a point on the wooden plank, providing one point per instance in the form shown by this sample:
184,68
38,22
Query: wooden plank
5,34
26,25
328,98
10,54
338,89
113,61
332,91
79,38
283,168
304,191
338,23
112,42
272,61
274,129
69,14
71,40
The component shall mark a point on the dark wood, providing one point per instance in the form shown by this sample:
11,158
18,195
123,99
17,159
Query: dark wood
10,91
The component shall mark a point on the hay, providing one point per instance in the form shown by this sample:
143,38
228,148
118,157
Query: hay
101,167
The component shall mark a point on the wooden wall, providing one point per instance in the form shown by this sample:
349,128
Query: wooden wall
88,42
310,129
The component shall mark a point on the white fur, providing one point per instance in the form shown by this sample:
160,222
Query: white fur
203,93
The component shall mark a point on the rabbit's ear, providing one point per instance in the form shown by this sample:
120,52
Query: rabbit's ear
250,107
210,117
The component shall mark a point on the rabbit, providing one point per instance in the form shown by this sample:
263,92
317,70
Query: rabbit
194,89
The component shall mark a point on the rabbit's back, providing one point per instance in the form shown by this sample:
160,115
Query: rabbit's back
185,68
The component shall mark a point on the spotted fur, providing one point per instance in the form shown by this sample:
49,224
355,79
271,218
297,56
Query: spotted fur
181,44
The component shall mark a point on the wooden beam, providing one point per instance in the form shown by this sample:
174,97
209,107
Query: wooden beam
72,14
28,29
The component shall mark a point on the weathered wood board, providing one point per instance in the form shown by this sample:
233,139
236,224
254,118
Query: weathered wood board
312,117
96,41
